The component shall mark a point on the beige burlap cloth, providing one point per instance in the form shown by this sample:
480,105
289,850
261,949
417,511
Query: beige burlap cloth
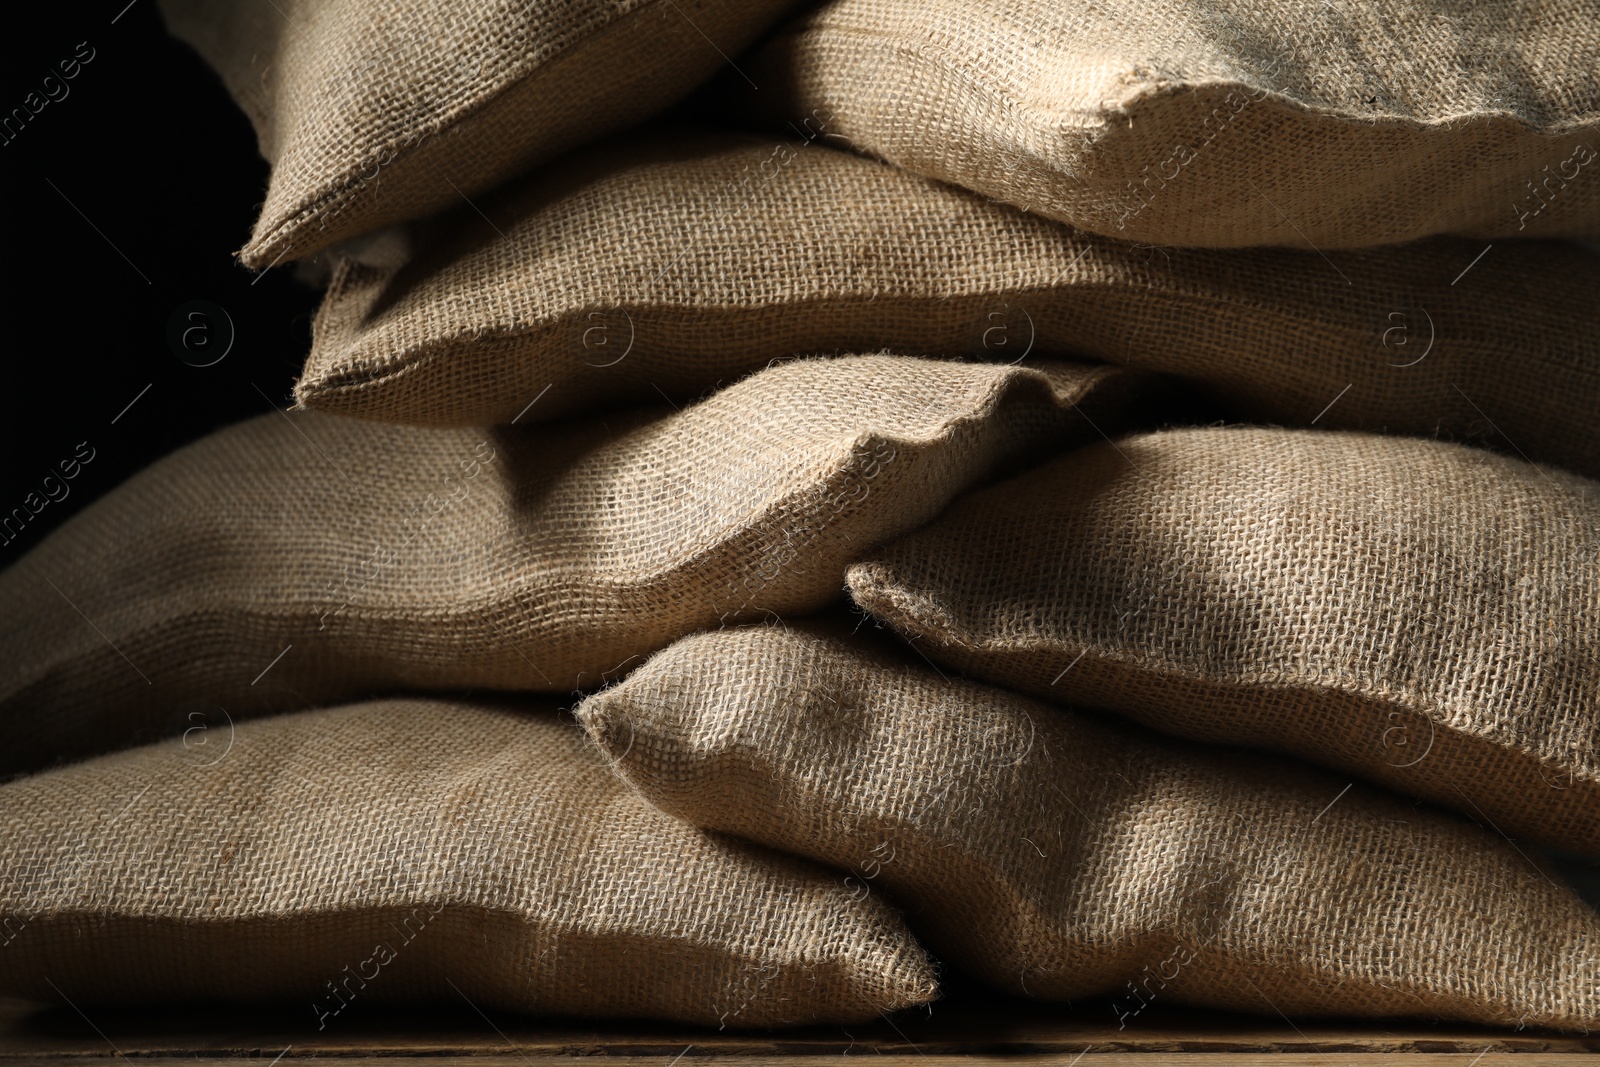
299,560
1059,856
1420,614
1219,123
372,112
675,264
423,851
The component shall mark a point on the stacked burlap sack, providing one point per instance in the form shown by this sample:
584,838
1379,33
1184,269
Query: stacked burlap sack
1195,402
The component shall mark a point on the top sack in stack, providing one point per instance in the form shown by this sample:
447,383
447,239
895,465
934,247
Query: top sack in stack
372,113
1220,123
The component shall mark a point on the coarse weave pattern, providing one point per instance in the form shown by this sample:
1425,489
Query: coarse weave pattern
1220,123
374,111
390,851
673,266
513,558
1421,614
1059,857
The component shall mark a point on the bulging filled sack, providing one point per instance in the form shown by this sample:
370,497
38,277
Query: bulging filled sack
1421,614
670,265
420,851
1219,123
1060,856
301,560
371,113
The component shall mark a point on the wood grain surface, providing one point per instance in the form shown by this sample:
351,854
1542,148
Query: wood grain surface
967,1028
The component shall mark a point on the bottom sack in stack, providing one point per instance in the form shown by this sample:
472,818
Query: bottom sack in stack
1059,856
421,851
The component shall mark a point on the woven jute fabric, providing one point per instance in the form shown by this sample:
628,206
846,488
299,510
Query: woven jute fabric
420,851
373,112
1421,614
1060,856
672,265
302,559
1220,123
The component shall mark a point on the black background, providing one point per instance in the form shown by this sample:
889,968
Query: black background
124,200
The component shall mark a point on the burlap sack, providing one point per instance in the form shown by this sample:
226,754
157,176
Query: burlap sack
1220,123
420,851
671,266
300,560
1060,857
372,112
1420,614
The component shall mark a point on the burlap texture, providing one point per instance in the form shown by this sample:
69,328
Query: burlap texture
1424,615
372,113
1220,123
485,847
529,558
672,266
1059,856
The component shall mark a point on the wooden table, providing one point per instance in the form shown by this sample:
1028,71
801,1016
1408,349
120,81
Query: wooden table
968,1028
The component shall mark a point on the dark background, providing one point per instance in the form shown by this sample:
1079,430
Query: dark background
164,181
